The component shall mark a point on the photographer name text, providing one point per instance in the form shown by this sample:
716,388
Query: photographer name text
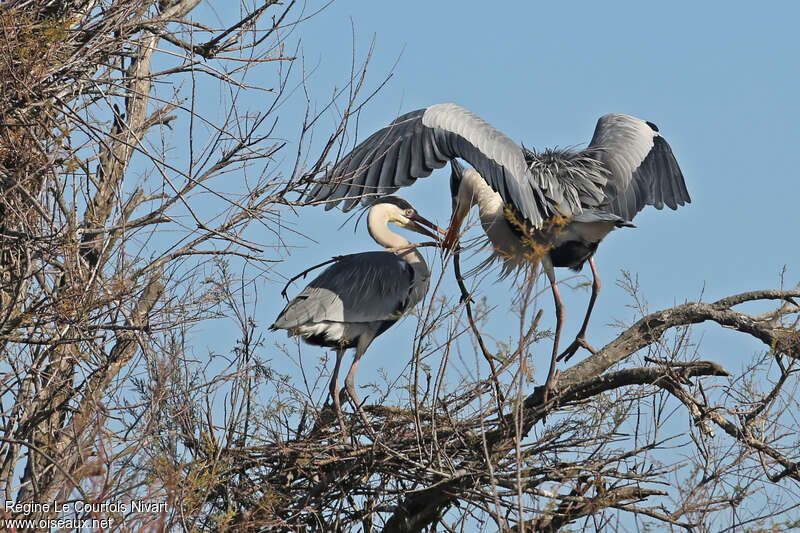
80,507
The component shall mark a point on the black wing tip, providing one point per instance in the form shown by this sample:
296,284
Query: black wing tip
680,203
673,203
676,192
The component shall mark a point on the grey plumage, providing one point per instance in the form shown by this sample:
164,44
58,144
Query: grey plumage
418,142
627,165
641,167
361,295
551,207
358,294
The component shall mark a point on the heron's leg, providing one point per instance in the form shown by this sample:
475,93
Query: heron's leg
551,275
363,343
334,388
580,339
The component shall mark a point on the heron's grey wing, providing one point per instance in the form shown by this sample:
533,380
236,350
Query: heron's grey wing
365,287
418,142
643,170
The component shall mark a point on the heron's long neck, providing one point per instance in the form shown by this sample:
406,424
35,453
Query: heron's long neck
475,191
379,229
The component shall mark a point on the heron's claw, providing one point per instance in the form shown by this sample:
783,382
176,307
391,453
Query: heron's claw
579,342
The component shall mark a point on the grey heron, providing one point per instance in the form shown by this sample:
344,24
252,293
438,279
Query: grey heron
361,295
566,200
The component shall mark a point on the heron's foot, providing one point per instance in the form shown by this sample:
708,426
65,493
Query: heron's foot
579,342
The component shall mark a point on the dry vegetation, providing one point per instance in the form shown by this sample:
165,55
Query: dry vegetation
113,249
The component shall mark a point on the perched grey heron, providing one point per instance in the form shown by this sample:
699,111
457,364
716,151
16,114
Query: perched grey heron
361,295
552,207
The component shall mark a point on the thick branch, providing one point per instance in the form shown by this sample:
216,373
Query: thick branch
649,330
586,379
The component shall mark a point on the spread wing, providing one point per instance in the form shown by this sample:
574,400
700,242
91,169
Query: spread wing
418,142
643,170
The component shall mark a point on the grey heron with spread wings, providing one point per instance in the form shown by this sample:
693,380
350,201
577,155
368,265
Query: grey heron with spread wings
362,295
551,208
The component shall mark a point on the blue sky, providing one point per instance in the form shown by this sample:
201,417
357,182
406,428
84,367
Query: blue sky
720,81
716,79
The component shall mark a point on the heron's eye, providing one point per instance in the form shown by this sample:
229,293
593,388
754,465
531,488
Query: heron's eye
409,212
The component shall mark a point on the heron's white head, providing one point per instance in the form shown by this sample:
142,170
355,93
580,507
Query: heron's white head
401,213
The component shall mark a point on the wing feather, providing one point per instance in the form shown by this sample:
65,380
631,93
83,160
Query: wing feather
388,170
428,139
370,185
643,169
418,166
364,287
